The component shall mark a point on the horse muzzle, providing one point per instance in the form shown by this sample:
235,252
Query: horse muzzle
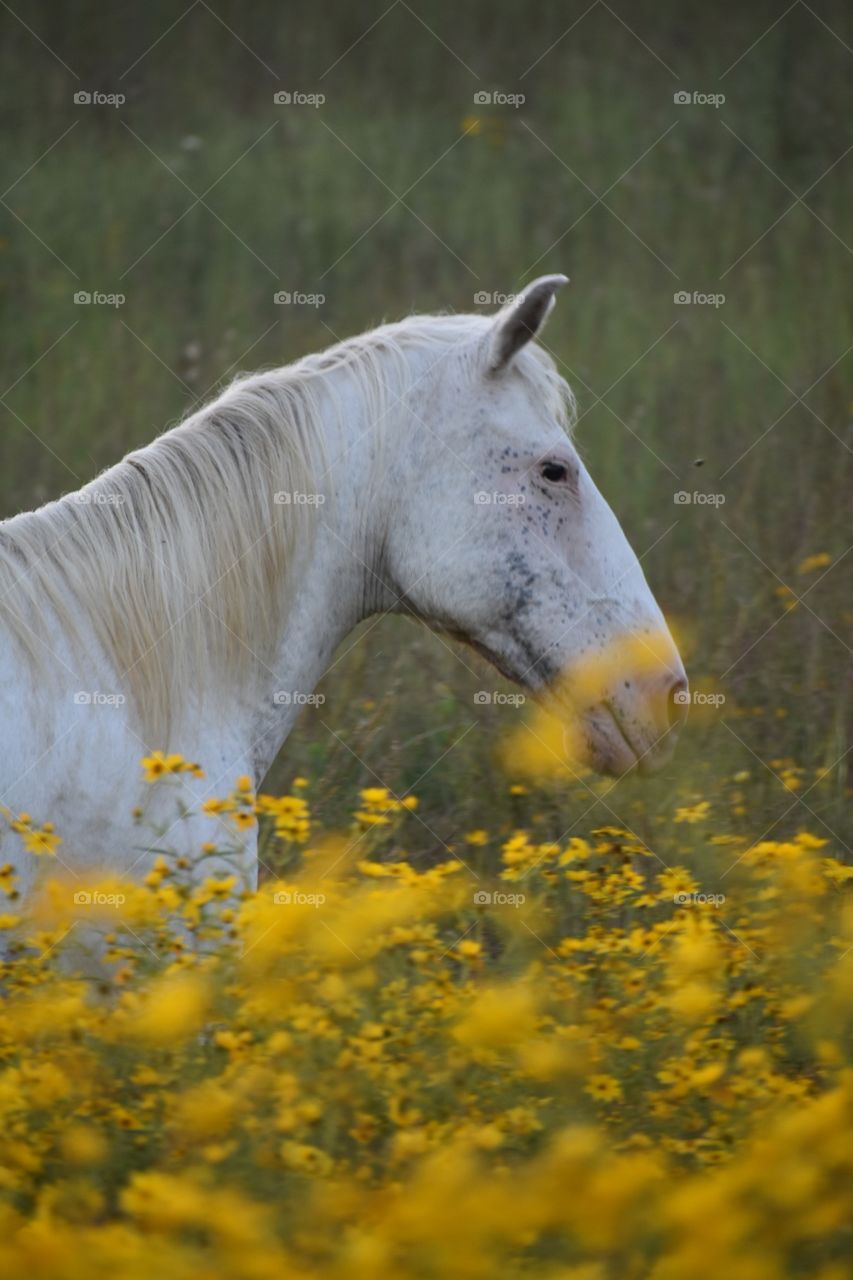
638,728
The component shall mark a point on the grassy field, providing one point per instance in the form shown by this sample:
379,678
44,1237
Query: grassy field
694,397
601,174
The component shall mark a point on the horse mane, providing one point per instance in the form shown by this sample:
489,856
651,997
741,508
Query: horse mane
179,558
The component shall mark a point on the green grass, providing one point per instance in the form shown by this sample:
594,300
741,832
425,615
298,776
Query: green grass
201,301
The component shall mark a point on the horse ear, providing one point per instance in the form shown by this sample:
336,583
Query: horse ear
522,319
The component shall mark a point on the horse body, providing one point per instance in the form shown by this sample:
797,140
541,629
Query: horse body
71,740
191,598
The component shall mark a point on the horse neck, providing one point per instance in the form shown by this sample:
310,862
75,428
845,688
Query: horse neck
341,578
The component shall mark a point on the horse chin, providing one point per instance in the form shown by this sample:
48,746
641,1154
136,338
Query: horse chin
593,737
609,750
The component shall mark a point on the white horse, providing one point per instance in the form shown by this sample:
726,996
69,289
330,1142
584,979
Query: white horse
191,597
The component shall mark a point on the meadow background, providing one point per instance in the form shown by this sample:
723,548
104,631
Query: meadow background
610,1078
598,173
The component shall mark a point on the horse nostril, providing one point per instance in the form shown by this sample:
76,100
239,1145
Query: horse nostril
678,703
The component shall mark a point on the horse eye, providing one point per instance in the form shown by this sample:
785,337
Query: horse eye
556,472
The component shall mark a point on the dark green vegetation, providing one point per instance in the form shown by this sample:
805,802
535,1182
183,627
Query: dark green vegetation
695,397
